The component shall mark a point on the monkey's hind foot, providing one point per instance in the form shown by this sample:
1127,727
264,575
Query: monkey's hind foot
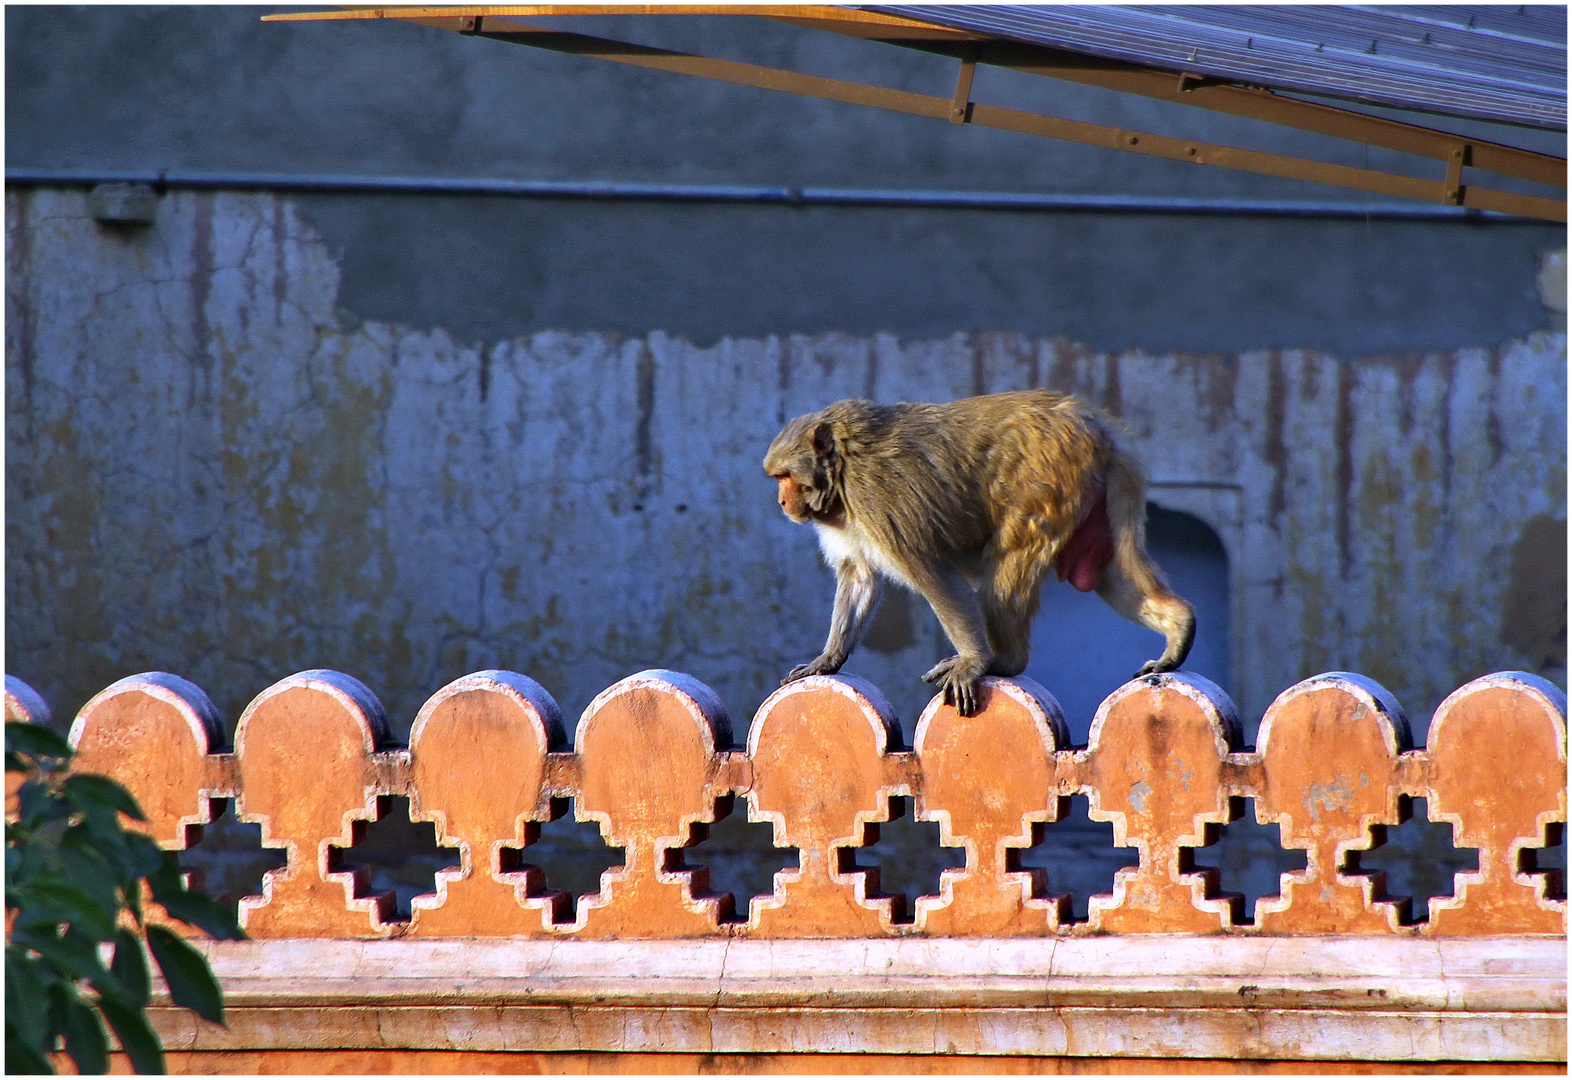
818,666
959,679
1156,667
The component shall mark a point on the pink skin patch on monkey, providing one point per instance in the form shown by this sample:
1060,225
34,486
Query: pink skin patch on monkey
1089,549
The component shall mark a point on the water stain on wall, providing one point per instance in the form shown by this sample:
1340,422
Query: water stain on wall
209,472
1534,609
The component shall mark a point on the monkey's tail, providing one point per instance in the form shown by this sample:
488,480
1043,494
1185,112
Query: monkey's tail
1125,482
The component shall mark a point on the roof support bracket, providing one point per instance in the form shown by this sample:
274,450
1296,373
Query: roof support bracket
1452,192
1189,82
961,107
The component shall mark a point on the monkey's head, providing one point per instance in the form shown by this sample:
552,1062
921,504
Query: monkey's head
803,460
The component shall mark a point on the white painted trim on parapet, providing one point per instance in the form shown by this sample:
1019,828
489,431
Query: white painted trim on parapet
1304,998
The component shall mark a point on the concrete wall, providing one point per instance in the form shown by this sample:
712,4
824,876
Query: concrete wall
209,473
412,436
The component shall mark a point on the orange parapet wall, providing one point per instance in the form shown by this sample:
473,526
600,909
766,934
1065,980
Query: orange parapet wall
1327,972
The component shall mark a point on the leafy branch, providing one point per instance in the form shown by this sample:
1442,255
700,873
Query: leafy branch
74,888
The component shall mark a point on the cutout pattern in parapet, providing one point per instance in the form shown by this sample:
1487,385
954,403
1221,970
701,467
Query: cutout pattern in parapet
309,749
226,857
1330,747
1073,859
740,857
1160,749
1248,860
478,760
396,856
569,856
651,767
700,888
651,771
1498,752
989,780
1548,862
908,857
1411,862
822,772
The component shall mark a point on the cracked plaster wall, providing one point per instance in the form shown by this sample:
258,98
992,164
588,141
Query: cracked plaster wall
209,473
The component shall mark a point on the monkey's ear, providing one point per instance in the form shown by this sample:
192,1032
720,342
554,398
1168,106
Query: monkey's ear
823,440
817,498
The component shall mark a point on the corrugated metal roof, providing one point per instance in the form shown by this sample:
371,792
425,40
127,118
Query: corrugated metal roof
1489,63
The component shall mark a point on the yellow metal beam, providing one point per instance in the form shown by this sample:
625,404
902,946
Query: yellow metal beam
823,16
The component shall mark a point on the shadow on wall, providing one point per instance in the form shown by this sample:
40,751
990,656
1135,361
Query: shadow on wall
1082,651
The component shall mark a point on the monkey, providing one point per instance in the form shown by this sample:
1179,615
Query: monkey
971,504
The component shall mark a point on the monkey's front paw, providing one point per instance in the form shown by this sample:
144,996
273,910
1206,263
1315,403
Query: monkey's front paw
822,665
941,669
959,679
1154,667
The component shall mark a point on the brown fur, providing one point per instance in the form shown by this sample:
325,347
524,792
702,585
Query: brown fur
969,504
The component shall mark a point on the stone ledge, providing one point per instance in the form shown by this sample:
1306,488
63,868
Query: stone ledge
1309,999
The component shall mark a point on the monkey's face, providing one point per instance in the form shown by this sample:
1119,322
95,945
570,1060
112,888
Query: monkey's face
793,499
797,465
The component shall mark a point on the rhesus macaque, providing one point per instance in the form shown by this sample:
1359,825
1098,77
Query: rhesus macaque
971,504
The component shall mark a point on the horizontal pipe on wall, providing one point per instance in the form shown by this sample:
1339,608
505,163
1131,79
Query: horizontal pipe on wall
735,193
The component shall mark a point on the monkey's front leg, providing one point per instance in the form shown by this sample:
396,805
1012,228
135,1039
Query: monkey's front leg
960,614
856,589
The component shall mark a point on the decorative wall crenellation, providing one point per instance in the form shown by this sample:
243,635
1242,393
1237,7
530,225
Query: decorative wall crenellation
651,759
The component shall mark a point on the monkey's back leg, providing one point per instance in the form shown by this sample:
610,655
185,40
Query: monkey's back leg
1134,587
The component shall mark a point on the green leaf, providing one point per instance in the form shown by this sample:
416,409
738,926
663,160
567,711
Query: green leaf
84,1035
144,857
195,907
166,879
35,741
203,912
34,856
102,822
75,905
70,954
130,855
91,791
22,1058
84,866
15,762
101,834
36,804
133,898
191,981
26,1003
135,1034
130,967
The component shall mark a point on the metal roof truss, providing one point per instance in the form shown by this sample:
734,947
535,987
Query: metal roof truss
970,49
